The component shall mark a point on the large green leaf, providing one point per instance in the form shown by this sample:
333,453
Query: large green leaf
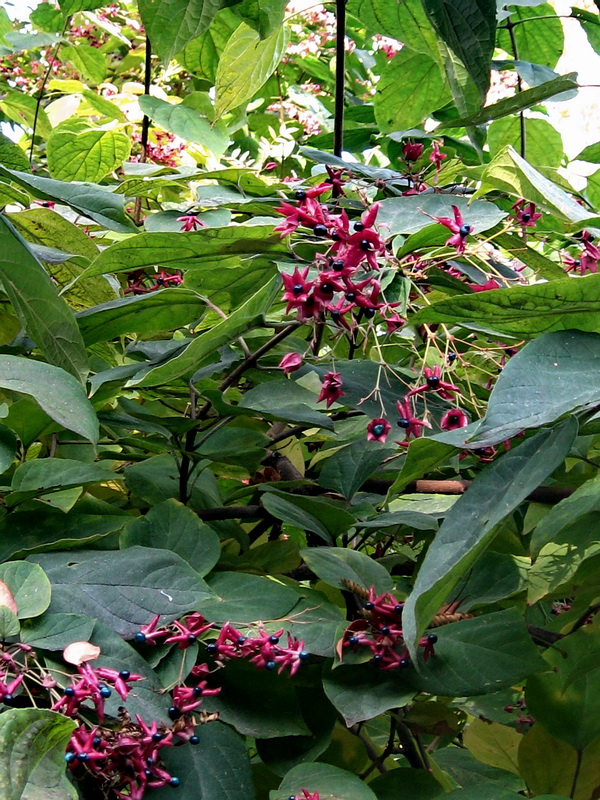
45,475
308,513
543,143
88,155
247,598
73,6
186,123
209,342
553,375
56,631
164,310
518,102
285,400
11,155
93,201
175,527
265,16
335,565
331,783
171,24
412,214
123,589
245,64
89,62
201,56
217,769
22,109
411,88
347,469
524,310
363,691
44,315
29,586
32,750
510,173
404,21
468,27
59,394
187,250
470,524
478,656
538,34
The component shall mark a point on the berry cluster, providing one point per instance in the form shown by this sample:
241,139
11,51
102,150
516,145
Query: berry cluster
380,630
139,282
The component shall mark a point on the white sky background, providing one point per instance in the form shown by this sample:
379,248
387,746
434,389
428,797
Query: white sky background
578,120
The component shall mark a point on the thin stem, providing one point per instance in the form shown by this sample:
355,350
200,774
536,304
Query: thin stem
38,104
510,28
340,73
576,775
137,209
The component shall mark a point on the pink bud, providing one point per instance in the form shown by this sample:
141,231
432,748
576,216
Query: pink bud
290,362
412,150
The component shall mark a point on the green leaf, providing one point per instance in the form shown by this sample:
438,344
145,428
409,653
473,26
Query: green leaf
412,784
553,375
538,40
421,457
44,315
187,250
69,7
32,750
245,65
493,744
201,56
88,61
265,16
175,527
470,524
8,447
93,201
29,586
171,24
56,631
363,692
544,144
523,310
467,771
316,622
9,623
22,108
337,565
257,703
11,155
468,27
566,699
285,400
412,214
186,123
31,41
308,513
330,782
46,475
89,155
477,656
410,90
217,768
164,310
246,598
590,153
493,577
404,21
518,102
347,469
123,589
209,342
509,172
483,792
59,394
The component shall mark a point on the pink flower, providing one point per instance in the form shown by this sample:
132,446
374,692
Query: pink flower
331,389
458,227
290,362
377,430
408,422
436,157
453,419
526,216
270,165
434,383
484,287
412,150
190,222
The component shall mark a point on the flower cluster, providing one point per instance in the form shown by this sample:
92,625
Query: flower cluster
263,650
380,630
139,282
94,684
460,230
524,719
526,214
587,260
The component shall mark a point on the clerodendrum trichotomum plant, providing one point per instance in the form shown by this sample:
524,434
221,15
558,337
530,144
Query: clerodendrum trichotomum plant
299,413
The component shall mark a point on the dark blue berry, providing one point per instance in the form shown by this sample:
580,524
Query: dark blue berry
191,638
451,357
320,230
8,699
124,674
577,262
148,773
174,713
69,691
465,230
403,422
378,429
365,245
303,655
338,265
398,608
335,236
433,382
404,663
82,756
273,639
105,691
350,296
369,312
270,665
326,288
160,281
70,757
140,637
241,639
197,692
298,289
432,638
150,761
525,217
335,313
96,741
174,782
368,605
157,737
385,630
300,194
194,739
353,640
212,649
377,659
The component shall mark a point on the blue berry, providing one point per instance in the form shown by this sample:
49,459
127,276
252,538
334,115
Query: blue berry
70,757
404,663
465,230
105,691
212,649
300,194
378,429
273,639
124,674
303,655
174,782
82,756
403,422
432,638
368,606
241,639
194,739
433,382
320,230
174,713
140,637
377,659
270,665
69,691
358,226
191,638
157,737
353,640
365,245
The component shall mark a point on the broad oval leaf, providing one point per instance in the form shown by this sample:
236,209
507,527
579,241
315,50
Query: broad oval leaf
86,156
469,526
330,782
337,565
29,586
171,24
123,589
246,598
186,123
244,66
412,214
